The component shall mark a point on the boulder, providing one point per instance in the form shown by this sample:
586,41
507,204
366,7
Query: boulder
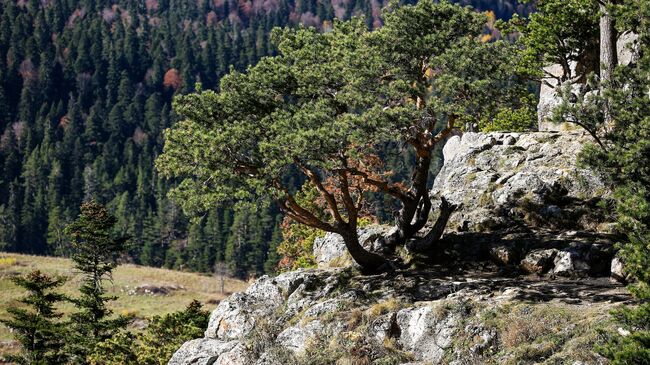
202,351
330,250
531,180
538,261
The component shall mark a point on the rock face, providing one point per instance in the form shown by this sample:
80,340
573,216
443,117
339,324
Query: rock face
323,316
501,180
524,203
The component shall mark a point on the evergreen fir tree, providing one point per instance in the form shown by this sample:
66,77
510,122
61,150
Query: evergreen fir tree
35,325
94,252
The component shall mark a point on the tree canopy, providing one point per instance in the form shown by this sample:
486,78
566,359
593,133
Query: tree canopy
327,105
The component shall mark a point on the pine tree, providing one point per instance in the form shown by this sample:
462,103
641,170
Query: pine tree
77,80
156,344
273,257
94,252
237,244
36,325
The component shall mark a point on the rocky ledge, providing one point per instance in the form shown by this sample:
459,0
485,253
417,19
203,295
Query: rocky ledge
524,205
432,316
532,180
527,254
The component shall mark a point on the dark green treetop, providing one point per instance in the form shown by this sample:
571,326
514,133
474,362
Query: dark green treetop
94,252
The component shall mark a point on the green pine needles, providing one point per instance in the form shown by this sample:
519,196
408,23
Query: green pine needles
36,324
95,252
92,334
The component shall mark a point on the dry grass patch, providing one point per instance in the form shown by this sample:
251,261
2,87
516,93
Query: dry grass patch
384,307
204,288
549,333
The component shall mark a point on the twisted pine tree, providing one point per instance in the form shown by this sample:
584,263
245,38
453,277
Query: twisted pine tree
95,253
326,108
36,327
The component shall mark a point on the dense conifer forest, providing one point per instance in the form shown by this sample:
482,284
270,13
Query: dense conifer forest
85,93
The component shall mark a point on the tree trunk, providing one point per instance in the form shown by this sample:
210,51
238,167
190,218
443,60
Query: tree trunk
418,207
428,242
370,262
608,54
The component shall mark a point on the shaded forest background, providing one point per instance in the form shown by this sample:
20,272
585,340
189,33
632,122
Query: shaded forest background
85,93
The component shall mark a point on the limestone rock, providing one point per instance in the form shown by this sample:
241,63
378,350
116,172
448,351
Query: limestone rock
570,263
238,355
424,334
296,338
618,270
202,351
235,317
538,261
549,99
501,180
384,327
430,318
270,358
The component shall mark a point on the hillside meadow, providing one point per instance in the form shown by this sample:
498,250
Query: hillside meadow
141,291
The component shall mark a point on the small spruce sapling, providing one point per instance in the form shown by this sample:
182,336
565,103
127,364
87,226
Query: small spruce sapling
35,325
95,253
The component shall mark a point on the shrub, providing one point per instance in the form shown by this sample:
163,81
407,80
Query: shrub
511,120
156,345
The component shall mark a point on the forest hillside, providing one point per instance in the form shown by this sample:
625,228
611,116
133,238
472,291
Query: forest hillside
85,93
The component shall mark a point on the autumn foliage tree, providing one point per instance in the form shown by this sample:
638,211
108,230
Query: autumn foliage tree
330,102
172,79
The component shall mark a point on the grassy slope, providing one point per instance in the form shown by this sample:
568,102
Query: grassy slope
204,288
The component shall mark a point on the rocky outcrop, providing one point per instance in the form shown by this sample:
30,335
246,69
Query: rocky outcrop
524,203
502,180
323,316
524,206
